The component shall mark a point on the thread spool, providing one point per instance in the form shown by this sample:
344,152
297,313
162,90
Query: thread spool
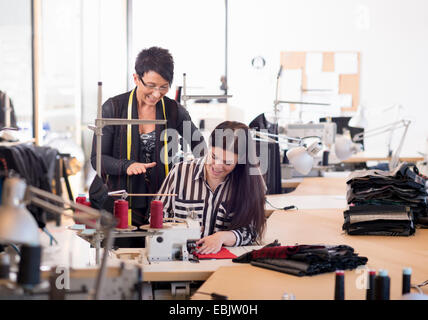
339,287
156,214
4,265
121,213
29,265
382,283
81,199
371,283
407,273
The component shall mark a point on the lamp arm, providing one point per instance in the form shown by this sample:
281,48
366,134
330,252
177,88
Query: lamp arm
31,197
395,157
379,130
91,213
266,137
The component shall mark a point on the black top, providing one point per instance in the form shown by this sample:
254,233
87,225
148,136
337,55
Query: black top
114,161
273,175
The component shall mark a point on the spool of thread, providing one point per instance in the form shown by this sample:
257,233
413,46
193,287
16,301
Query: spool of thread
121,213
339,287
29,265
371,283
382,284
81,199
4,265
156,214
407,273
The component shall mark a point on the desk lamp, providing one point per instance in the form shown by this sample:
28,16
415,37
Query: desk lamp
17,225
300,156
344,147
360,119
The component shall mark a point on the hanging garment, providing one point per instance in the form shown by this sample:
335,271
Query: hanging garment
273,175
3,111
34,165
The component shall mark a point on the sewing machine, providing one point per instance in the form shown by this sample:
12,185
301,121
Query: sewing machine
172,242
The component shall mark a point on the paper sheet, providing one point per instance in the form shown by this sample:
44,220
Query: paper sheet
314,63
346,63
323,81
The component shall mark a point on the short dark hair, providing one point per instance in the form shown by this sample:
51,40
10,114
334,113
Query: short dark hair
155,59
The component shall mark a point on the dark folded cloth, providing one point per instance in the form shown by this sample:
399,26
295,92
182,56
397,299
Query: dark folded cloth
387,220
401,187
301,260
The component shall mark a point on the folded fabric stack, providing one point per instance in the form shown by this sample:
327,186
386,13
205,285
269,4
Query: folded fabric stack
386,203
303,260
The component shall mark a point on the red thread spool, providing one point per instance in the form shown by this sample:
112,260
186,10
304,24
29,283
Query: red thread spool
121,213
81,199
156,214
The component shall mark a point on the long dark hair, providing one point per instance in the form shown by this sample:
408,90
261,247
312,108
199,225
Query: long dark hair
247,186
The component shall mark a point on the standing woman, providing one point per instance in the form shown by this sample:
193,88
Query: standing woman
133,157
225,189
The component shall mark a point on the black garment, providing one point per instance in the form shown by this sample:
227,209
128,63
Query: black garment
304,260
273,174
31,163
3,111
374,190
114,145
383,220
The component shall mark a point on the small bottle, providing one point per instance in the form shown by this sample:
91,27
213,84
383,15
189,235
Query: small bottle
407,273
370,285
339,287
382,285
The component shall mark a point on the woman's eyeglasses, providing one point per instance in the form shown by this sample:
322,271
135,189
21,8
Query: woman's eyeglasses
162,89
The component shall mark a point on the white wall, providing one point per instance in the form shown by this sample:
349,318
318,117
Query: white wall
391,36
193,31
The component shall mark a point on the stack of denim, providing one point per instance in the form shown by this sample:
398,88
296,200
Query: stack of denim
386,203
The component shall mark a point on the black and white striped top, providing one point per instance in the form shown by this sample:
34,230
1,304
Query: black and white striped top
187,180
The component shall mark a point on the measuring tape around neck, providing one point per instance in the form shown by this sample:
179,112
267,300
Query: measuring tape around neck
129,143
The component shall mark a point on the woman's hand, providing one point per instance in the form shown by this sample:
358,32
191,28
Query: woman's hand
214,242
139,168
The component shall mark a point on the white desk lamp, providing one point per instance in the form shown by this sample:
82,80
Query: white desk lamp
360,119
300,156
344,147
17,225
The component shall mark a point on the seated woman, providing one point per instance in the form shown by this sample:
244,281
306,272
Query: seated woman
225,189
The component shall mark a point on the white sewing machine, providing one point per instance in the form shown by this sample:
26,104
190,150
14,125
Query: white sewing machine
170,242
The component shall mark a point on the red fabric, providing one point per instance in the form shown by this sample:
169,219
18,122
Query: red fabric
222,254
281,252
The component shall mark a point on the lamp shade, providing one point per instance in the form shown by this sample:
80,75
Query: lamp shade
359,120
345,148
301,160
17,224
